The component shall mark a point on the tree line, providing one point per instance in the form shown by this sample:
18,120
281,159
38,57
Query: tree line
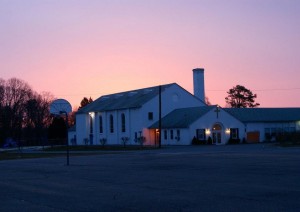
24,113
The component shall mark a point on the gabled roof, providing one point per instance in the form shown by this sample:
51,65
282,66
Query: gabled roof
265,114
182,118
123,100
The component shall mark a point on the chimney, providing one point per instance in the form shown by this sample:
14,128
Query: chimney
198,77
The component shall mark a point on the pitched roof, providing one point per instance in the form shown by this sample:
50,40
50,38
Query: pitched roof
265,114
123,100
182,118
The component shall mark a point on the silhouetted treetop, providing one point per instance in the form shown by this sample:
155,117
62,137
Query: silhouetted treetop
241,97
85,101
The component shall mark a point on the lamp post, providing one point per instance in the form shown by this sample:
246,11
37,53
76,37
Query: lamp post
159,111
67,145
59,107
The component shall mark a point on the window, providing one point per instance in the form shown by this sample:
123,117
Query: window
165,134
111,123
123,122
150,116
217,127
273,132
200,134
234,133
100,124
135,136
91,125
171,134
178,135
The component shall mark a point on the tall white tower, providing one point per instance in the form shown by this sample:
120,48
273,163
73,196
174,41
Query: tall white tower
198,77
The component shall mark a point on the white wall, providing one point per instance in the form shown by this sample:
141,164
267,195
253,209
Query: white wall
82,129
226,120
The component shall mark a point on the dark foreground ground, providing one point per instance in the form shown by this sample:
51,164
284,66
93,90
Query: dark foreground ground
201,178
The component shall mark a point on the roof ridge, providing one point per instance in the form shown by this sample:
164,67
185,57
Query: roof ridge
137,90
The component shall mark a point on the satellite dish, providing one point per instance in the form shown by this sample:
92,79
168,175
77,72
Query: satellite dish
60,106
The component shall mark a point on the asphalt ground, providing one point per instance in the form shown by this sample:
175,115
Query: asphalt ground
194,178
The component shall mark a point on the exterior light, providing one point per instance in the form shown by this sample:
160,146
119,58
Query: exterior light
207,131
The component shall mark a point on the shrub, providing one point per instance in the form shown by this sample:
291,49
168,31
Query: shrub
103,141
125,140
196,141
209,140
234,141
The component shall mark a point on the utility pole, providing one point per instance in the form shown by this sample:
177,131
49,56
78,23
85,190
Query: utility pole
67,144
159,103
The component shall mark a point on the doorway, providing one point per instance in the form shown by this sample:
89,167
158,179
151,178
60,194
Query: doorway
217,134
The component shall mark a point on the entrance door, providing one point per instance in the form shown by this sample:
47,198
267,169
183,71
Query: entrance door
217,134
216,137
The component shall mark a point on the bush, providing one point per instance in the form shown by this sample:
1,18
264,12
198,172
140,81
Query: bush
209,140
288,138
196,141
234,141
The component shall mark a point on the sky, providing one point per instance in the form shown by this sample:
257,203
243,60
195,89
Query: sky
88,48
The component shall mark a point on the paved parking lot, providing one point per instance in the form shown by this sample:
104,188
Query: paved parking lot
193,178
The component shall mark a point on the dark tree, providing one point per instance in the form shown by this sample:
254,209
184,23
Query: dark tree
57,131
37,118
84,102
15,96
24,114
72,117
241,97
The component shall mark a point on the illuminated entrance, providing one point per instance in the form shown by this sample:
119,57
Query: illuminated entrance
217,134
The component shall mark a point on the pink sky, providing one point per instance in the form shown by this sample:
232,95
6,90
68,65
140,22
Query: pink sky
91,48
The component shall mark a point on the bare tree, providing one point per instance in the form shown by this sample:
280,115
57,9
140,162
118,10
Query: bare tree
16,94
37,117
21,109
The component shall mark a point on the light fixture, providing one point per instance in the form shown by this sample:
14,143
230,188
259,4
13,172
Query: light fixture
207,131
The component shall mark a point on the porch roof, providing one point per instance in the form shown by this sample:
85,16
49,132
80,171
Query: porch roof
182,118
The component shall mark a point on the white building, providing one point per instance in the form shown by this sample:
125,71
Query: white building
222,125
133,116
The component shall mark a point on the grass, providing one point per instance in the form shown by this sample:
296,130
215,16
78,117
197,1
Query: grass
19,155
60,151
99,148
